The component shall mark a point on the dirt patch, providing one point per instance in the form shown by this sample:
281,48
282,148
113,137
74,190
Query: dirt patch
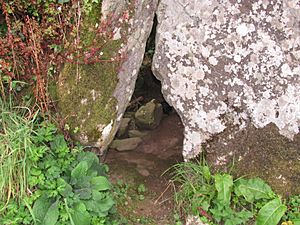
160,149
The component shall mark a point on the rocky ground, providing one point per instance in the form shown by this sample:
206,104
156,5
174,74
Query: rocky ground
159,149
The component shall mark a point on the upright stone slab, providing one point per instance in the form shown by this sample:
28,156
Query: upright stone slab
93,97
232,62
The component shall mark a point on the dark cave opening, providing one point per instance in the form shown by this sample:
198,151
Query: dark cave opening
147,86
151,151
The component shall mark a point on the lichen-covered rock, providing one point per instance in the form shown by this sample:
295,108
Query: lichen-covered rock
229,62
93,97
194,220
149,116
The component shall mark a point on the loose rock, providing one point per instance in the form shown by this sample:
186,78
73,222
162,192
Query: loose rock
123,129
126,144
137,133
149,115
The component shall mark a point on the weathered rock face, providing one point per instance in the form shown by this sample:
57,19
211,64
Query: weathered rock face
94,97
229,62
260,153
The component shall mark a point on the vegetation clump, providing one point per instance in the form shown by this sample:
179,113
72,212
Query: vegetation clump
219,199
50,182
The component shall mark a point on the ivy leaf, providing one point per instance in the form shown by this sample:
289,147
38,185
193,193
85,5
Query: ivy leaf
223,184
271,213
253,189
100,183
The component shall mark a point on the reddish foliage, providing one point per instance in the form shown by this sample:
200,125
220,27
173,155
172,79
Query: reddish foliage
32,43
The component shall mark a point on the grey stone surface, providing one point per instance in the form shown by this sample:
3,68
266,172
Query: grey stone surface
229,62
98,93
137,133
123,128
149,116
126,144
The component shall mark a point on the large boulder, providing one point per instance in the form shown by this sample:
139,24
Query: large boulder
227,64
94,96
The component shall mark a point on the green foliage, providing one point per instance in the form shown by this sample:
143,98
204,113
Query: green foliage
17,149
218,199
70,185
293,212
89,4
271,213
253,189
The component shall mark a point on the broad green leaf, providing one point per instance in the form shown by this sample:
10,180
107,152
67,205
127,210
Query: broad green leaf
40,208
105,205
98,196
253,189
296,222
223,184
59,144
237,218
100,183
84,182
80,215
271,213
89,157
52,214
65,189
80,170
84,193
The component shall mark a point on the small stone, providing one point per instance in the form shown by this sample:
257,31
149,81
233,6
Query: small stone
144,172
123,129
149,115
137,133
126,144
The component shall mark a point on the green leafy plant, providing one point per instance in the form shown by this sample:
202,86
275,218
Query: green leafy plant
218,199
293,213
66,186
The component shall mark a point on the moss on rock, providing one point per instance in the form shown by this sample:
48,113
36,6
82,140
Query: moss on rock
85,91
260,153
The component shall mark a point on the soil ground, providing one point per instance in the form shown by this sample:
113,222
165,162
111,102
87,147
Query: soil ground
160,149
